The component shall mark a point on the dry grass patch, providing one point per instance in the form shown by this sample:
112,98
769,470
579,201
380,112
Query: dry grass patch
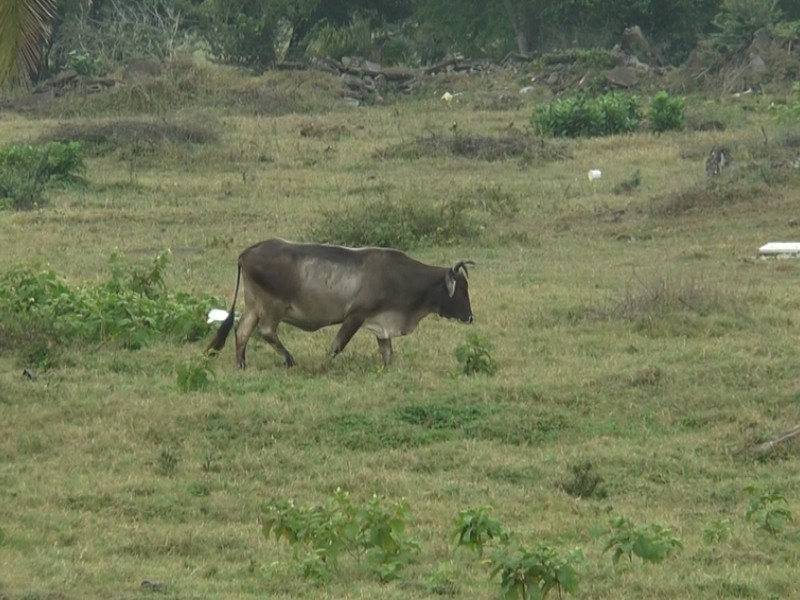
101,138
514,144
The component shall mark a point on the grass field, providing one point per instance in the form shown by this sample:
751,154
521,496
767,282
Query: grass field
635,330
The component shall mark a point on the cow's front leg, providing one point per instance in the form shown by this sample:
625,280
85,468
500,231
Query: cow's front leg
385,346
346,332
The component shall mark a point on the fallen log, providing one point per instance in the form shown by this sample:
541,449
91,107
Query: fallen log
770,445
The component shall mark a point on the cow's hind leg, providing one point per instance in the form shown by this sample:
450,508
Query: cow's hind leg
385,346
348,329
269,332
245,328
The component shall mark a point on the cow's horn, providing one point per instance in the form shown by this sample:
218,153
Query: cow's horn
462,264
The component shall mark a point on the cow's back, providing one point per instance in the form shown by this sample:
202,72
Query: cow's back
318,284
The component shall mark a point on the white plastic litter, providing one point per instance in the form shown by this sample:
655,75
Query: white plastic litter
780,249
217,315
595,174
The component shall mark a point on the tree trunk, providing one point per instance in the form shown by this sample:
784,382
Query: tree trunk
523,22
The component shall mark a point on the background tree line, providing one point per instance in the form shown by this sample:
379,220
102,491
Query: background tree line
39,37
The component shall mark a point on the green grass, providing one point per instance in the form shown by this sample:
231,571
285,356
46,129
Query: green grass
633,331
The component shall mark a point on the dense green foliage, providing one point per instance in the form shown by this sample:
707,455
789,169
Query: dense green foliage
130,308
583,115
665,112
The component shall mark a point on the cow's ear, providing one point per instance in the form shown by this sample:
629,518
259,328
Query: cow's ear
450,281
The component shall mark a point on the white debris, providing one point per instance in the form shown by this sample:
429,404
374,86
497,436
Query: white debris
447,97
780,250
595,174
217,315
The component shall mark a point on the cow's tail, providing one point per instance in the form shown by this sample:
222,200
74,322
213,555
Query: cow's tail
222,333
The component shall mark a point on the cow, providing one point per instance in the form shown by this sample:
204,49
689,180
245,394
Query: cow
312,286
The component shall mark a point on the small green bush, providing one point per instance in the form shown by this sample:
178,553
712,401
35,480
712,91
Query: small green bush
530,574
475,527
768,510
666,112
388,224
649,541
475,356
582,115
25,170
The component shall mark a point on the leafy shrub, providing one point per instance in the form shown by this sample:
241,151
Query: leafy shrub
391,225
475,356
61,161
83,63
242,32
131,308
25,170
650,542
533,573
768,510
582,115
666,112
339,526
474,528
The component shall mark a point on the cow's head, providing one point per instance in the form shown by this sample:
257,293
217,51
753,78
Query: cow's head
455,305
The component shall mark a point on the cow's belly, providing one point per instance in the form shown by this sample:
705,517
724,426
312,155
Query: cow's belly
390,324
311,319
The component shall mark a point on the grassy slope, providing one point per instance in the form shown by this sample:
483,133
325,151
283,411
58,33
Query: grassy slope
584,294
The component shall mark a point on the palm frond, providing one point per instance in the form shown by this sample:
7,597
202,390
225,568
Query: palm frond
25,25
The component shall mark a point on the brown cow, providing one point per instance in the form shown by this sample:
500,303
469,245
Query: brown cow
312,286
